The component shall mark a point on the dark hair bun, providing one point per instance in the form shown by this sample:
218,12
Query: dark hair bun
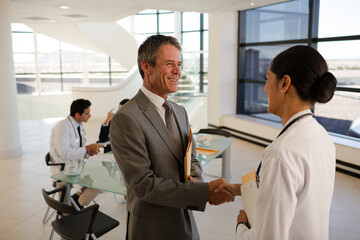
324,88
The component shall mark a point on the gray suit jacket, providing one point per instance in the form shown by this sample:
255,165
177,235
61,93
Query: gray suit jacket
159,202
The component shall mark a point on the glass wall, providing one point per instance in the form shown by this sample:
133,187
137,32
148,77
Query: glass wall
47,65
191,29
329,26
339,43
194,39
263,33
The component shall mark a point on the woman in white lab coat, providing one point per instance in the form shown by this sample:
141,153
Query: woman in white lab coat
297,172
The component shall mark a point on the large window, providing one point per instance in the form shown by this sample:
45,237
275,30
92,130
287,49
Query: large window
150,22
44,64
265,32
191,29
194,40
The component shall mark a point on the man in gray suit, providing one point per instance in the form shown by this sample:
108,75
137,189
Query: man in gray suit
150,154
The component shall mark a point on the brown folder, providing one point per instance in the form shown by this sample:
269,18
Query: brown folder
187,159
205,151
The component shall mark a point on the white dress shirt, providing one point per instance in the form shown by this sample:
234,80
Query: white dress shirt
156,100
296,185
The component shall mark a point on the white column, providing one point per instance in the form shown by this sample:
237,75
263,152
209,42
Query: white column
222,65
9,124
177,21
37,64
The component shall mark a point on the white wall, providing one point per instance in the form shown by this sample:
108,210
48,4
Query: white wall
113,40
223,28
197,113
43,106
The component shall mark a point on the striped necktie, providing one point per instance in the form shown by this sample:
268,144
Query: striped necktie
173,128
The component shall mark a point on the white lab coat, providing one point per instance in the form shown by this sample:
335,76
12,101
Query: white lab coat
65,142
296,185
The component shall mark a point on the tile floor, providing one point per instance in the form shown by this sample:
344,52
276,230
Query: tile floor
22,207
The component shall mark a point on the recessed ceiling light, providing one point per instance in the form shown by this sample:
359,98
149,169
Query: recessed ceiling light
64,7
51,21
252,4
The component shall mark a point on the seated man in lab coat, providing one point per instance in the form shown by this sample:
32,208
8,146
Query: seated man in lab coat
67,142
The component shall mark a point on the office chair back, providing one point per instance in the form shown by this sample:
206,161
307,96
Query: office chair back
59,206
215,131
48,162
70,223
62,166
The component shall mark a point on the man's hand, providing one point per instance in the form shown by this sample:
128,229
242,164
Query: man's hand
109,116
216,198
235,189
191,179
93,149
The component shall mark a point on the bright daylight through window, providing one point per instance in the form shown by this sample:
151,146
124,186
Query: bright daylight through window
328,25
47,65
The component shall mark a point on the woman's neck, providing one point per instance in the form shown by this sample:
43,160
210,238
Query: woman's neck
291,109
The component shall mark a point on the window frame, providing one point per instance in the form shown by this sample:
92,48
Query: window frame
312,40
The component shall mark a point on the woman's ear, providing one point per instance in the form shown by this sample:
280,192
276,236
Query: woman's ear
286,83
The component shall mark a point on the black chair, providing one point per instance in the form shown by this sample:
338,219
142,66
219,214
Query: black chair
48,163
87,223
215,131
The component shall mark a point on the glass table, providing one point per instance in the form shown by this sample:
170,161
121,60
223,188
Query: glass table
101,175
222,145
106,175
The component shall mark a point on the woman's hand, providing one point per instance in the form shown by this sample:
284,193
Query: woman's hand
233,188
109,116
242,219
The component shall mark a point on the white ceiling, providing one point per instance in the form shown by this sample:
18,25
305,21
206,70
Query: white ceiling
41,11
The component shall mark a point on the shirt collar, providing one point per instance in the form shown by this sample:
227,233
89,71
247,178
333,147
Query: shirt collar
75,123
155,99
297,115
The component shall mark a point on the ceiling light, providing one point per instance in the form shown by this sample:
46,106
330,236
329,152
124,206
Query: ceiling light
64,7
51,21
252,4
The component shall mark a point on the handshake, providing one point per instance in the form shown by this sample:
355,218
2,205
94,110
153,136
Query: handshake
221,191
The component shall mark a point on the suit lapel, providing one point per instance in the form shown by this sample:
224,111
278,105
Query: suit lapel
154,118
